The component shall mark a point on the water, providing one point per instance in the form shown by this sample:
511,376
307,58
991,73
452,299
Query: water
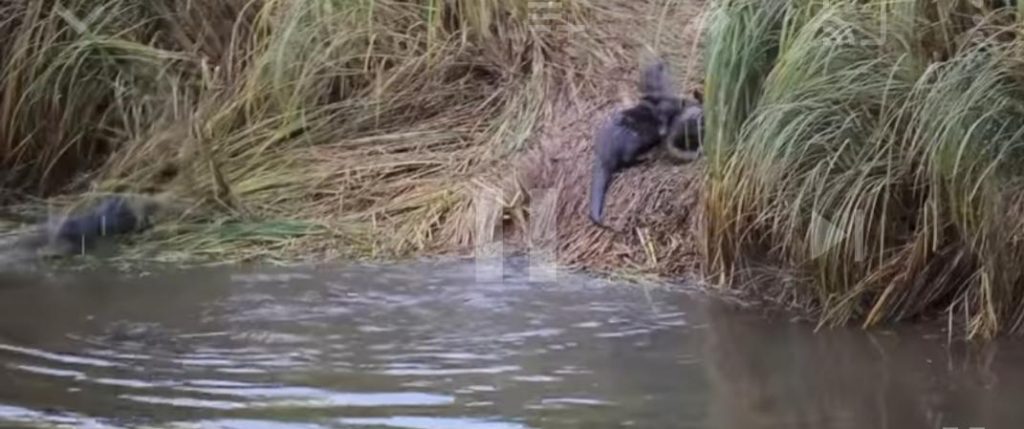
428,346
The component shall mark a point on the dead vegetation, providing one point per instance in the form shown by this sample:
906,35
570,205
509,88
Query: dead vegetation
294,130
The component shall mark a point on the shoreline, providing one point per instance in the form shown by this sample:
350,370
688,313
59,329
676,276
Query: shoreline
867,182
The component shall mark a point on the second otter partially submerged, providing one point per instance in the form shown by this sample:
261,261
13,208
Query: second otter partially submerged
81,231
112,216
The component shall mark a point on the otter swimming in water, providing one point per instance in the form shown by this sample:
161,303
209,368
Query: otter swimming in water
79,232
112,216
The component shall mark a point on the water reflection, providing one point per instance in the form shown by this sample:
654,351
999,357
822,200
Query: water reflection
429,346
781,376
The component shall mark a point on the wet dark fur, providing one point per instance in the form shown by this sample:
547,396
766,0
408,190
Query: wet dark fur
112,216
660,118
686,134
619,144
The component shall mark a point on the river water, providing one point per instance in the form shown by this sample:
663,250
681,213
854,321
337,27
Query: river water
432,345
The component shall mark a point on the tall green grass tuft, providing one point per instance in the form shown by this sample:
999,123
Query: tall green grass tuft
865,159
359,119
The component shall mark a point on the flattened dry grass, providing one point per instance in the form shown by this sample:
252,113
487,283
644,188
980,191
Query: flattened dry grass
329,128
286,130
543,194
650,209
864,159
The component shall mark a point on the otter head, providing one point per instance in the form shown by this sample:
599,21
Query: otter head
655,79
664,109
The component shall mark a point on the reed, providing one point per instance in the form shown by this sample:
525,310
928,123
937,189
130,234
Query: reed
340,126
864,159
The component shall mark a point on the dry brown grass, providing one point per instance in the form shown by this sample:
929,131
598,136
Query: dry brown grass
651,207
293,130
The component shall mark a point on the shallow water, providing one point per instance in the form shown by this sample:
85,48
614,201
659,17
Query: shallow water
430,345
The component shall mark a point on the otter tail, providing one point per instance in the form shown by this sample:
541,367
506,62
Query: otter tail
599,184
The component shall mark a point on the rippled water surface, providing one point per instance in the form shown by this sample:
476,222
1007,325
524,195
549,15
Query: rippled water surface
431,345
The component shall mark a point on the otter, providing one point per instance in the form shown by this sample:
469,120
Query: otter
685,117
629,134
112,216
661,118
686,133
656,81
77,233
621,142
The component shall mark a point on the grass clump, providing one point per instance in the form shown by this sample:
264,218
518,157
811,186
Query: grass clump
330,127
864,159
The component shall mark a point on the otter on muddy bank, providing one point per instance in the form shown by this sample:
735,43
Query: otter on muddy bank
661,118
686,122
620,143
